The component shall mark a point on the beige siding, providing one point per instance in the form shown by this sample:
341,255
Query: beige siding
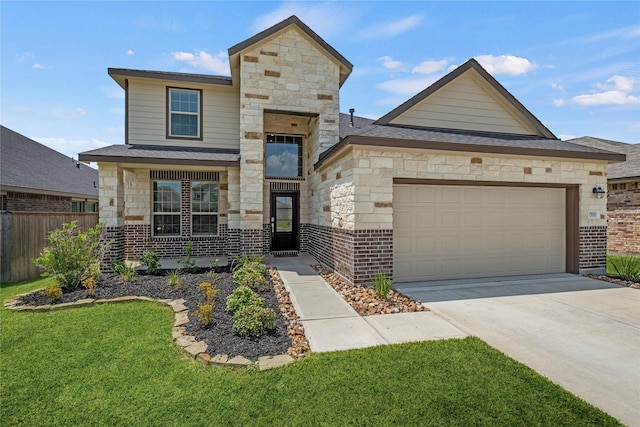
148,114
465,103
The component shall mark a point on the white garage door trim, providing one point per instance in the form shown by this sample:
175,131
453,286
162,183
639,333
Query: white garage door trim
465,231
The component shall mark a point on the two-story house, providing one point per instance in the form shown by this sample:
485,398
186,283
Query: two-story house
459,181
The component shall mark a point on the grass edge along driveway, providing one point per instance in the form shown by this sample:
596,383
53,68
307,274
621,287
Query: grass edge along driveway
116,365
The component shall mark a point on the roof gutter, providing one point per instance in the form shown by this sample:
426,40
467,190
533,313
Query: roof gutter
156,160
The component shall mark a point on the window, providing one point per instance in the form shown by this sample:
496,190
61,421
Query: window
77,206
91,207
284,156
204,208
166,208
184,113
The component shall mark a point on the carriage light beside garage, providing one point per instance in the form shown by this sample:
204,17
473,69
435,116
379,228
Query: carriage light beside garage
599,192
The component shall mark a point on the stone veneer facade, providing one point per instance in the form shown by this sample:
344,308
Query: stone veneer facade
623,211
289,84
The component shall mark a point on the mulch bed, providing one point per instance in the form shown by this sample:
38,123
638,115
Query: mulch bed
219,335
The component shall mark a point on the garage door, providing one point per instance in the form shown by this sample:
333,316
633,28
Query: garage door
454,232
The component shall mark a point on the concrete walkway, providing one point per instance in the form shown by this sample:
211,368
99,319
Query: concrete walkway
331,324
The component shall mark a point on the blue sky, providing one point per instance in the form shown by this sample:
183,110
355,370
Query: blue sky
575,65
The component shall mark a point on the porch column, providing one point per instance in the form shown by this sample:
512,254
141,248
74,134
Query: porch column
111,209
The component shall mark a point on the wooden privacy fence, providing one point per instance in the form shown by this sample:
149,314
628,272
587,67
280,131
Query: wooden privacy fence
24,236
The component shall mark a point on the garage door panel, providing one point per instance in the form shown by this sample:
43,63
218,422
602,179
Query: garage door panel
469,231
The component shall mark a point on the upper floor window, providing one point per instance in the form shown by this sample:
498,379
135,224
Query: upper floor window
284,156
184,107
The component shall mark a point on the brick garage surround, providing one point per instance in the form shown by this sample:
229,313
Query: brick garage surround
593,248
356,255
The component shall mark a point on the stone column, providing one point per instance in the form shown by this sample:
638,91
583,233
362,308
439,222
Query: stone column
111,209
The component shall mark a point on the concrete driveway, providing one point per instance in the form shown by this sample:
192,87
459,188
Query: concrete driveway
581,333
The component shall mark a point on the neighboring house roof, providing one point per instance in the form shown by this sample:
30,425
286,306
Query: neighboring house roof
367,132
30,167
470,65
234,51
121,74
151,154
617,171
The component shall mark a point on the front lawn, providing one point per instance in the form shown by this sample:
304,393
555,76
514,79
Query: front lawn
116,365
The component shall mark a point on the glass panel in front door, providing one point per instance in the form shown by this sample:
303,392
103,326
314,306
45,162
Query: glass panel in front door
284,214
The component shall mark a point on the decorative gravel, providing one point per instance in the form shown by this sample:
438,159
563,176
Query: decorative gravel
627,283
219,335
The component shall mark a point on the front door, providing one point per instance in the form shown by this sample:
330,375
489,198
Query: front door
284,221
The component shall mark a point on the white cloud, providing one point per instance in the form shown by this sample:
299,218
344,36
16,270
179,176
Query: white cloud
37,66
130,52
390,64
390,29
328,19
407,85
67,114
71,147
205,61
23,57
616,90
610,97
505,64
428,67
557,86
559,102
283,164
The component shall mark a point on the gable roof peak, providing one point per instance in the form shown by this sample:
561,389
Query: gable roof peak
293,20
471,64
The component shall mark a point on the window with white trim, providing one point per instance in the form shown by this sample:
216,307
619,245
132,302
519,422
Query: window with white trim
284,156
184,115
204,208
166,208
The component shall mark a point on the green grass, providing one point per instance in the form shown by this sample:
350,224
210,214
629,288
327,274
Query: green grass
116,365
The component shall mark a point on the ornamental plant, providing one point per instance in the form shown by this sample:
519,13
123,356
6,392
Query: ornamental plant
254,321
209,291
174,278
53,292
187,261
124,272
205,312
243,297
72,254
151,261
626,267
382,285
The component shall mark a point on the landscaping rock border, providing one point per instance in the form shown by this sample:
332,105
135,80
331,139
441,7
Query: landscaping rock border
192,348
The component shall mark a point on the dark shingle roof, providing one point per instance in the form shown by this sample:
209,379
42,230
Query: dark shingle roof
149,154
628,169
366,132
28,165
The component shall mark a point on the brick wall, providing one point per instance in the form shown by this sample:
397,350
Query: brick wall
356,255
116,249
593,247
623,218
138,239
25,202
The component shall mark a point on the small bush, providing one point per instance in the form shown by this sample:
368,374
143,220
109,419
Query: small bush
250,278
90,284
188,263
205,312
72,254
124,273
254,321
151,261
382,284
626,267
243,297
209,291
245,260
53,292
174,278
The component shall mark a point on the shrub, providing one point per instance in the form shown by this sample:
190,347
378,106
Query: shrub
245,260
626,267
72,254
90,284
126,274
205,312
251,278
243,297
254,321
382,285
209,291
188,263
151,261
174,278
53,292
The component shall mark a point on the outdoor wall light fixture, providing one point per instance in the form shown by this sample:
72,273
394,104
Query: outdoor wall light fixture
598,191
